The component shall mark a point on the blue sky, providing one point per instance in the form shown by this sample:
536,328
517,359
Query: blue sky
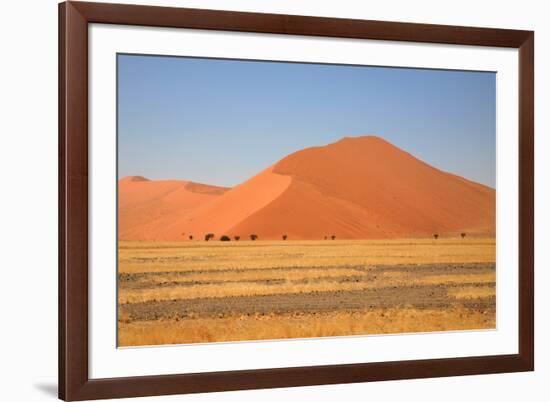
222,121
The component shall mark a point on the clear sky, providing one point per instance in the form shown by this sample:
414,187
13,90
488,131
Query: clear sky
222,121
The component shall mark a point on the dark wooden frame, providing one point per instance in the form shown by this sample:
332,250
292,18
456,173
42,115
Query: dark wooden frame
74,383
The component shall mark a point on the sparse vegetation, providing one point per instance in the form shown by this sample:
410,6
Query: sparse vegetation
208,236
457,274
253,237
333,237
225,238
285,237
257,327
136,257
237,238
190,237
463,235
436,236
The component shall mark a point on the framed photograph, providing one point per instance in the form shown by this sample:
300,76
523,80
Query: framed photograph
260,200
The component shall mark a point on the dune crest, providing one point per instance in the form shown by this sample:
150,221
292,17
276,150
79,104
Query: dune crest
356,188
236,205
134,179
364,188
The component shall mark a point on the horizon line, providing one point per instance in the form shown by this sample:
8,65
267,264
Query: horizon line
346,137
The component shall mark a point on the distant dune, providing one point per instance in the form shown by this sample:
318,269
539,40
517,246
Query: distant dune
149,209
356,188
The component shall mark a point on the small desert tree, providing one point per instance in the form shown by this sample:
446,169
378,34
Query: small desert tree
463,235
253,237
225,238
190,237
208,236
333,237
436,236
285,237
237,238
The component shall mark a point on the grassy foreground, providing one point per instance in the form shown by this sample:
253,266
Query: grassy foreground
229,291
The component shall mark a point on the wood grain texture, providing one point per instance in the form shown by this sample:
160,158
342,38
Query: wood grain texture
74,382
298,25
73,202
526,201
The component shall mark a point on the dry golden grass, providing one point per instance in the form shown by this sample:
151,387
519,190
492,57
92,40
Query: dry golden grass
137,257
471,292
157,272
251,275
455,279
381,321
233,289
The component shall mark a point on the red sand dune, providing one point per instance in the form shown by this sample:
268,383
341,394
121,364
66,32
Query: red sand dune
356,188
147,209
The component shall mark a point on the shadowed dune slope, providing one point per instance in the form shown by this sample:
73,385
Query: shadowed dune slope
147,209
356,188
236,205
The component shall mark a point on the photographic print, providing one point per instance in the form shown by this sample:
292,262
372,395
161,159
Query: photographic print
262,200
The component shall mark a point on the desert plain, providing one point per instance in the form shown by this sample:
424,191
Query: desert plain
352,238
213,292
